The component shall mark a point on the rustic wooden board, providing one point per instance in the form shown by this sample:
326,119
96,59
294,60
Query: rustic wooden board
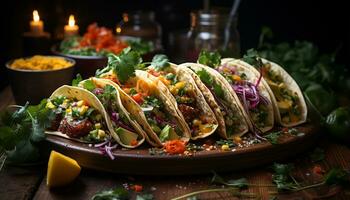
139,161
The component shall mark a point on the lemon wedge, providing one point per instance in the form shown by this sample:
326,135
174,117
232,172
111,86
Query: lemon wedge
61,170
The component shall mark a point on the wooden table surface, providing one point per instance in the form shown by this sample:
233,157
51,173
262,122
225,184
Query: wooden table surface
30,182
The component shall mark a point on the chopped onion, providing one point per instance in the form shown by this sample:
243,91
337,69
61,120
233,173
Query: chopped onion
101,144
115,116
98,91
147,109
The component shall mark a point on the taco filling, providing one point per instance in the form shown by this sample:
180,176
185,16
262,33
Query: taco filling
77,119
288,101
162,123
120,123
184,95
253,102
233,121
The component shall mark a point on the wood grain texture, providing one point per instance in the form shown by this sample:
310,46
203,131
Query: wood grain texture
20,183
167,187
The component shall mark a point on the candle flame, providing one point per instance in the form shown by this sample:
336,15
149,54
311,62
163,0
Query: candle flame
71,21
118,29
36,16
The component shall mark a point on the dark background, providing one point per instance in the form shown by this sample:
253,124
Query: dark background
325,23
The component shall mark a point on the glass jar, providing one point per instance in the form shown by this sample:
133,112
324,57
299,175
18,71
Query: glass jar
140,24
208,32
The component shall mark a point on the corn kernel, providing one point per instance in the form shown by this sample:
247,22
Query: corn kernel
196,122
205,128
236,77
101,134
98,125
180,84
83,110
68,110
50,105
80,103
237,140
225,147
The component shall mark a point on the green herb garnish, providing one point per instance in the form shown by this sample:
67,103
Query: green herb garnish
211,59
113,194
124,64
77,80
210,82
22,129
160,62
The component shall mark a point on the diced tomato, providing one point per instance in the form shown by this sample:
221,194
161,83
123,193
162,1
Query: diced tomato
285,130
175,147
318,170
137,188
153,72
134,143
102,38
138,98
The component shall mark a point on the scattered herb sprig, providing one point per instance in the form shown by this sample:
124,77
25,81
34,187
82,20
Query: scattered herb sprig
211,59
22,128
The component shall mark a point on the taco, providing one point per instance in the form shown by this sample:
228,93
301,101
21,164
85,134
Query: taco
79,115
231,117
252,92
187,98
151,108
125,130
290,107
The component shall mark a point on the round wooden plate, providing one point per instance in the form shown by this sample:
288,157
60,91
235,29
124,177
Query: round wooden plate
139,161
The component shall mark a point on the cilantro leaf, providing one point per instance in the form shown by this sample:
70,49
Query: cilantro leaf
124,64
239,183
218,90
209,82
252,58
160,61
21,129
273,137
113,194
77,80
337,176
211,59
144,196
205,76
89,85
282,177
141,46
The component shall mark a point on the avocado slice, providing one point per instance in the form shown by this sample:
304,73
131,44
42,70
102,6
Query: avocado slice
168,133
126,136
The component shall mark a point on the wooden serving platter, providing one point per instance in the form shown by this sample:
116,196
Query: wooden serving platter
139,161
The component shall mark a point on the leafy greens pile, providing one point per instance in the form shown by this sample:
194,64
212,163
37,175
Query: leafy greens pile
22,128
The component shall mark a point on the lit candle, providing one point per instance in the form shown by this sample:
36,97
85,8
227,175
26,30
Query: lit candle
71,29
36,26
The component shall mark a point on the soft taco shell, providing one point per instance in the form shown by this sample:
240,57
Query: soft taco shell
263,89
290,84
229,96
168,105
102,83
79,94
202,105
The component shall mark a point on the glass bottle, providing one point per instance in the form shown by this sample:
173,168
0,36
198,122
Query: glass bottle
208,32
140,24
